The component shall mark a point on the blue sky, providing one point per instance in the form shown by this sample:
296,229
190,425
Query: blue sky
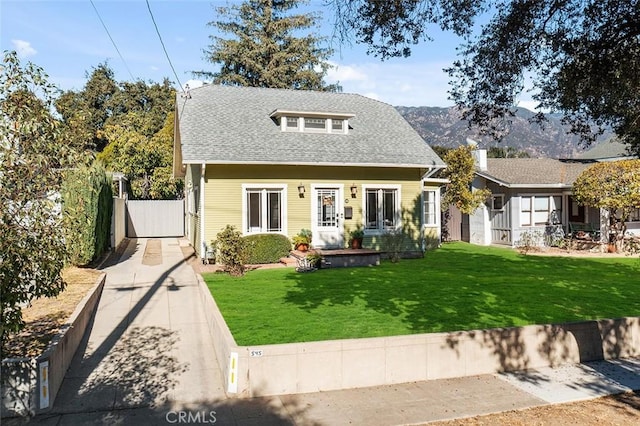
67,39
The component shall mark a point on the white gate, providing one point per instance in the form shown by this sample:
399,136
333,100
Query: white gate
155,218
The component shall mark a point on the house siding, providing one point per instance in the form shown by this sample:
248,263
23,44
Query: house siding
431,234
223,195
193,208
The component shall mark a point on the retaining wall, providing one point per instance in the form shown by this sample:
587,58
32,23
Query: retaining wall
351,363
30,385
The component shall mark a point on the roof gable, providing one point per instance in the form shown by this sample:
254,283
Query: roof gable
532,172
235,125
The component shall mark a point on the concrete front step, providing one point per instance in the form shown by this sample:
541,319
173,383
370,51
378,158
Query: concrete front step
338,258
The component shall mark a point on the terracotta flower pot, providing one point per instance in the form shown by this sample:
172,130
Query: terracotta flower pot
356,243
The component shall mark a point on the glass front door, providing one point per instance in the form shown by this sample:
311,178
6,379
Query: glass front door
327,218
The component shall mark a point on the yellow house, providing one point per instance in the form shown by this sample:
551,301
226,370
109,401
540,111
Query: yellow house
278,161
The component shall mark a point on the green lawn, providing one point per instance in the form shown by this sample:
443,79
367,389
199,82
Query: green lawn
457,287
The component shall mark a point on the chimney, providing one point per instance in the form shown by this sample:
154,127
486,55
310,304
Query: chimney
479,155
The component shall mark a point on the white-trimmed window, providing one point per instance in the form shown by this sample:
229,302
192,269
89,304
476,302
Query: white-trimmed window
292,123
264,209
381,207
430,208
193,200
315,124
497,202
312,121
537,210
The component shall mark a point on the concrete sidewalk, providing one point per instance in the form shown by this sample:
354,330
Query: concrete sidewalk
149,359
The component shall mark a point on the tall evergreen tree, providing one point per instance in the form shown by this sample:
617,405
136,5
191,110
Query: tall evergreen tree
265,49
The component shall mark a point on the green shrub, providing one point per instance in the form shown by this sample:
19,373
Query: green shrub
87,208
529,241
232,250
393,242
267,248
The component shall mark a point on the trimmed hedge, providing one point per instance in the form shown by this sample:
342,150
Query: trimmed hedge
87,206
267,248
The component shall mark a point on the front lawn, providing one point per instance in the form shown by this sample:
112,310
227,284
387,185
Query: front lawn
457,287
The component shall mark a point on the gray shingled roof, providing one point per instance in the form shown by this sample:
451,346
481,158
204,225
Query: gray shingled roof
532,172
222,124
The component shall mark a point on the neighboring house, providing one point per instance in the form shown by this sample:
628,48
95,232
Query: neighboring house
278,161
531,194
528,194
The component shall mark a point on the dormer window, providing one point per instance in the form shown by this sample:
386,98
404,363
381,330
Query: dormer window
292,123
315,123
312,121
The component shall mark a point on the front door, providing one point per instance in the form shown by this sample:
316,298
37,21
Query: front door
327,217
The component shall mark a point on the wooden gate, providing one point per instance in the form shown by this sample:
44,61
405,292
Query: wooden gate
155,218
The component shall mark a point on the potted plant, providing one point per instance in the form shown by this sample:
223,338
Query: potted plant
314,260
302,240
356,238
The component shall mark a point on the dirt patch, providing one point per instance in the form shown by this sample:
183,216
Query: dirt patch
152,253
566,252
622,409
46,316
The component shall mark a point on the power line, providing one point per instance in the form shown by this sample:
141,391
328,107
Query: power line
112,42
163,47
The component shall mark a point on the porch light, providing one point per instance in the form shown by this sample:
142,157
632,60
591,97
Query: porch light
354,190
301,190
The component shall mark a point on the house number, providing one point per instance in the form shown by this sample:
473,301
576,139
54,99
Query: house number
255,352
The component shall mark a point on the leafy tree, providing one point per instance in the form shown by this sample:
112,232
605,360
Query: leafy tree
614,186
460,171
145,161
87,111
33,155
265,50
440,150
130,124
583,56
149,103
103,102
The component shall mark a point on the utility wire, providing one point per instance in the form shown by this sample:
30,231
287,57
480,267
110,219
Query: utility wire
163,47
112,42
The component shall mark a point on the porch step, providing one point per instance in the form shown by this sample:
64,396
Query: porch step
338,258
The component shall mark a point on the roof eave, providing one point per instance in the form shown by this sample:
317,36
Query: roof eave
315,163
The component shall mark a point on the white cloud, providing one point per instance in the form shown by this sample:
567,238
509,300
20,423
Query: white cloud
194,84
398,84
154,68
23,48
345,73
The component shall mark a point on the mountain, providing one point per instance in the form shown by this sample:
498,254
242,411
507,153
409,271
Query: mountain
443,127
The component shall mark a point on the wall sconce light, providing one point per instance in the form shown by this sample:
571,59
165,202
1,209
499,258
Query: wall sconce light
354,190
301,190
